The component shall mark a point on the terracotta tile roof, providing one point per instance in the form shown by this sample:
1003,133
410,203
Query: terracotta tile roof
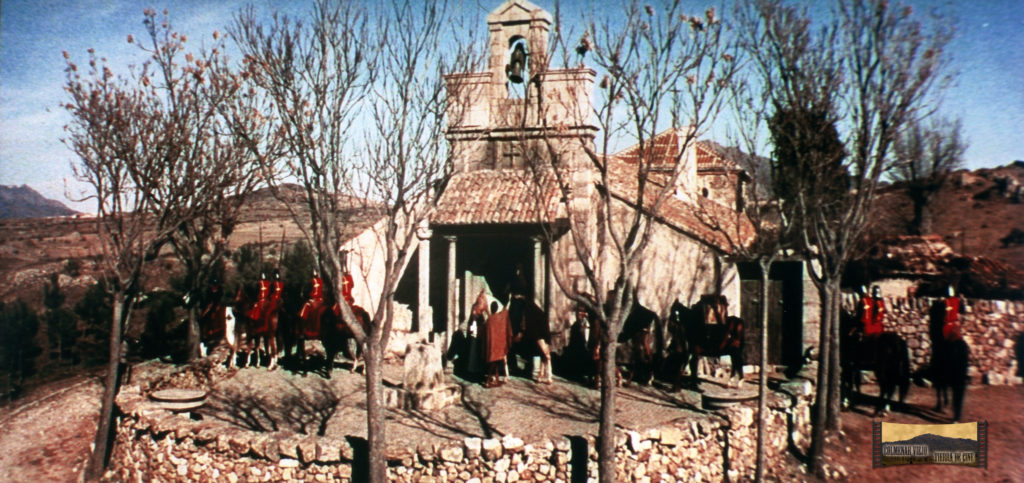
664,150
713,155
497,197
703,219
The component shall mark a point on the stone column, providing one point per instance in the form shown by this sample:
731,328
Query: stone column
424,315
539,284
453,292
539,277
550,284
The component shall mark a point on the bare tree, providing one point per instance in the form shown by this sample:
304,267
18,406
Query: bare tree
116,128
152,147
837,98
769,235
925,156
359,104
211,170
660,69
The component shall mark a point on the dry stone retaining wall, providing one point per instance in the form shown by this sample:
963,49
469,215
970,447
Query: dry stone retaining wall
992,328
156,444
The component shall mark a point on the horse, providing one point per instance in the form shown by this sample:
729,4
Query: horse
531,335
327,325
705,330
634,350
886,355
949,363
264,329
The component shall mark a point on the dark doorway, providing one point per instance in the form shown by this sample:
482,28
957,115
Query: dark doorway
494,257
785,312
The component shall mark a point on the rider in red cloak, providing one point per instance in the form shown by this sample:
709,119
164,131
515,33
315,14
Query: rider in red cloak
872,313
951,325
262,301
276,294
346,285
310,313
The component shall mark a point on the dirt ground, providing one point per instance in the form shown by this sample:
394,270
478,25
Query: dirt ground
46,436
1001,406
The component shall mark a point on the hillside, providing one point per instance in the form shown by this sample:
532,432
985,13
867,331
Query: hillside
24,202
33,248
977,214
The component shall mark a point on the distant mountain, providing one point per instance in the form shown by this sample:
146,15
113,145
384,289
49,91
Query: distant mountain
941,443
24,202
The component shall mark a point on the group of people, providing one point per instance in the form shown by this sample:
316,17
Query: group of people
871,315
313,309
269,301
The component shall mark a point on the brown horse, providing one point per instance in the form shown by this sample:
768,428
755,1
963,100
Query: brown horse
531,335
634,351
326,324
703,330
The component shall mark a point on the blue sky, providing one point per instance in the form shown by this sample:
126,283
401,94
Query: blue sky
988,53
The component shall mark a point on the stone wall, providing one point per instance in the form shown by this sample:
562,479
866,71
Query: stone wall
154,443
992,328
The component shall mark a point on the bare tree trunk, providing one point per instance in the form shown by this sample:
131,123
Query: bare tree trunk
821,403
762,381
192,338
606,432
921,223
833,359
375,414
102,443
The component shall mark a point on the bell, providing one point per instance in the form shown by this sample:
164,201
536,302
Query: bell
516,64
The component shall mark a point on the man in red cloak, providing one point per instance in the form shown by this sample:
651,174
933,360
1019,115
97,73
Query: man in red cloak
497,340
259,308
951,324
311,310
872,313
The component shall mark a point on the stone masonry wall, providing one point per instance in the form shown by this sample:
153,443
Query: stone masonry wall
992,329
156,444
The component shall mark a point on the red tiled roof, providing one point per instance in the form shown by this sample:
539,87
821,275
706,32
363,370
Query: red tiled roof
498,197
515,196
662,150
712,155
705,220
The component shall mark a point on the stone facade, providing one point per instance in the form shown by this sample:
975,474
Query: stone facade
156,444
992,328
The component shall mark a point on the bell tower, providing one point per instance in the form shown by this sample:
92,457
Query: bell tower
494,116
518,31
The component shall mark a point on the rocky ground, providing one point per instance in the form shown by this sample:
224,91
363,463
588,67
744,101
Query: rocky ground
46,436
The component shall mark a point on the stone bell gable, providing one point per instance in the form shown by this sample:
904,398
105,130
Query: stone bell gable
498,124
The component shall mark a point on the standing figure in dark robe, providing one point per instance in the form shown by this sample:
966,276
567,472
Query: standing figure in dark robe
518,295
477,318
497,340
211,318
